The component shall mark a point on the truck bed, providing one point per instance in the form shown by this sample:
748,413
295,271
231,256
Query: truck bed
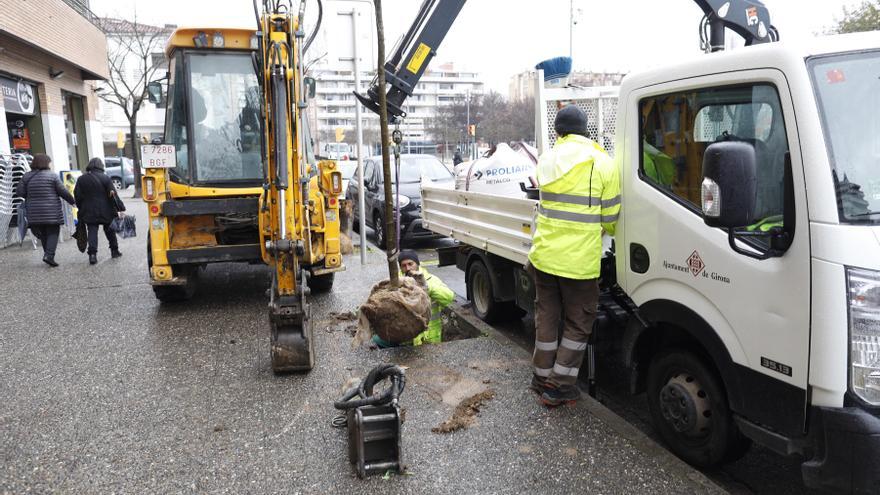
500,225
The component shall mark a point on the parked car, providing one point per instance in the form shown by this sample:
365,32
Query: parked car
414,169
112,169
348,169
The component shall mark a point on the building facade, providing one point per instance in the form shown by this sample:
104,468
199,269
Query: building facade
47,78
347,31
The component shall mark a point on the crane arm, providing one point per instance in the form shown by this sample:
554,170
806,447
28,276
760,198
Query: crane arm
412,55
747,18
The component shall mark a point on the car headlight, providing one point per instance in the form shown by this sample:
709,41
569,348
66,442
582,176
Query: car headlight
403,201
863,287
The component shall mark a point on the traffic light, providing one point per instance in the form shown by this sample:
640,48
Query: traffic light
340,134
472,130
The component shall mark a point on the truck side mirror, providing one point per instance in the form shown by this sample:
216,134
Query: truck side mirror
154,92
309,85
729,189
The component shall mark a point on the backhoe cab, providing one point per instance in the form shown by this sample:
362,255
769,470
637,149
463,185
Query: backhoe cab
245,185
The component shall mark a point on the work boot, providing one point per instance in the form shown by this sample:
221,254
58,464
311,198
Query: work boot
115,254
49,260
565,394
539,384
93,259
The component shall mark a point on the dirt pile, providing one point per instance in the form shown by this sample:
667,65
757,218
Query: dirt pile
465,412
395,315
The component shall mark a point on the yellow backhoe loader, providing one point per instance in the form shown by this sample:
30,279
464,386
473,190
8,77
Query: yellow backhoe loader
235,179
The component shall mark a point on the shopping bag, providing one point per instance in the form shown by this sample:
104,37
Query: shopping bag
124,226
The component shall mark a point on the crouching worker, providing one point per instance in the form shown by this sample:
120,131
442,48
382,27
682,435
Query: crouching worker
439,294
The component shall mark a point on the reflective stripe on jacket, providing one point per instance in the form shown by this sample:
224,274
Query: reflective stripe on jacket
441,296
580,196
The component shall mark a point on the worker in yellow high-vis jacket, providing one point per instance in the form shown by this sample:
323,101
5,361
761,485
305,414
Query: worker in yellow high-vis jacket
580,199
440,295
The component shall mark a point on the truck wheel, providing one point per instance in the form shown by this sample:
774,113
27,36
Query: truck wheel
320,283
379,228
482,294
690,411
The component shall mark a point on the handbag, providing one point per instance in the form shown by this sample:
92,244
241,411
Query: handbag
125,226
81,236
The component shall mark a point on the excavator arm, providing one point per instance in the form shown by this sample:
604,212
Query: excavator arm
299,220
747,18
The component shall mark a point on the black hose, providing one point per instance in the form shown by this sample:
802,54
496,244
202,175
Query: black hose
316,28
257,15
365,390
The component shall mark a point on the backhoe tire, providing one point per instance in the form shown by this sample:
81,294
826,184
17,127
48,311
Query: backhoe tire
320,283
689,410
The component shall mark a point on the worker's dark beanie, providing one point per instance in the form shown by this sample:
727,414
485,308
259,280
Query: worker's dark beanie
570,120
408,254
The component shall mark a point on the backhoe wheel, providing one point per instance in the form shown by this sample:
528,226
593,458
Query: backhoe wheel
321,283
689,409
379,228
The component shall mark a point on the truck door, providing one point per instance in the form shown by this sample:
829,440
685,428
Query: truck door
755,314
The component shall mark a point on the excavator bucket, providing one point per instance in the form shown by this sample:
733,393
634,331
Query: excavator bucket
293,348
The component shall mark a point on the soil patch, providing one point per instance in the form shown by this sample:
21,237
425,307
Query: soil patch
465,412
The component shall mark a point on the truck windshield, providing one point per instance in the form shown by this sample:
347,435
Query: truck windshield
848,90
225,102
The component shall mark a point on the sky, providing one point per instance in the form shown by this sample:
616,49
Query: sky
500,38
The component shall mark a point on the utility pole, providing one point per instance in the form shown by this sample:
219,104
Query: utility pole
360,139
467,128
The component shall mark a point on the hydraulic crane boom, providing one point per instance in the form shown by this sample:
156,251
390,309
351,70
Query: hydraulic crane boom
403,70
412,55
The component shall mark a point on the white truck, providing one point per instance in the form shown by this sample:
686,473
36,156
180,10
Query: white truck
744,288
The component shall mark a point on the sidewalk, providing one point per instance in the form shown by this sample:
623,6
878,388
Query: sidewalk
108,391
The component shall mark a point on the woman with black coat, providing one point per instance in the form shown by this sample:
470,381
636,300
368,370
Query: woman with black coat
43,192
98,205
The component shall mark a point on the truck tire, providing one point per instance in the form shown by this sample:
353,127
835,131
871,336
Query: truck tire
320,283
689,409
482,294
173,293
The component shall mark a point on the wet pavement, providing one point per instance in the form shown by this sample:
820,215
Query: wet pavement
105,390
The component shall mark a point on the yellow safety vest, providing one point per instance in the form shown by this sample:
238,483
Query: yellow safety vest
580,195
441,296
658,165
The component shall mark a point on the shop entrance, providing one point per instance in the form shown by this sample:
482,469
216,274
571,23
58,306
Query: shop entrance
75,130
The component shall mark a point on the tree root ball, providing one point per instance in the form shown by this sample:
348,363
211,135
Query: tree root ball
397,315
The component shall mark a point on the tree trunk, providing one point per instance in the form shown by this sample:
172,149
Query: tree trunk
135,156
390,226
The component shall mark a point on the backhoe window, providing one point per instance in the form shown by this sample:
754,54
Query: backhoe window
175,120
227,129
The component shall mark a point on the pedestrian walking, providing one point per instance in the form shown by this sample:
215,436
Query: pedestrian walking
43,192
579,199
456,157
98,205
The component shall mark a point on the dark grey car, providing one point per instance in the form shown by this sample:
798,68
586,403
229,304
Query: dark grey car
413,168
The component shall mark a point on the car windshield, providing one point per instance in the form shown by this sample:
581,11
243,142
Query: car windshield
848,90
416,168
225,106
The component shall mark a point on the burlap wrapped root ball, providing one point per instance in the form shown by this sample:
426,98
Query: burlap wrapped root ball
396,316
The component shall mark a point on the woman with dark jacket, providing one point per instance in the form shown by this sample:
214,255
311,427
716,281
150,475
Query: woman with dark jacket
98,205
43,192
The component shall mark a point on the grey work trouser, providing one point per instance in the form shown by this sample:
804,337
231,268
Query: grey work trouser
574,302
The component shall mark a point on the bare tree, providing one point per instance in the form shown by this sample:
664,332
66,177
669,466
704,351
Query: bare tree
132,48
